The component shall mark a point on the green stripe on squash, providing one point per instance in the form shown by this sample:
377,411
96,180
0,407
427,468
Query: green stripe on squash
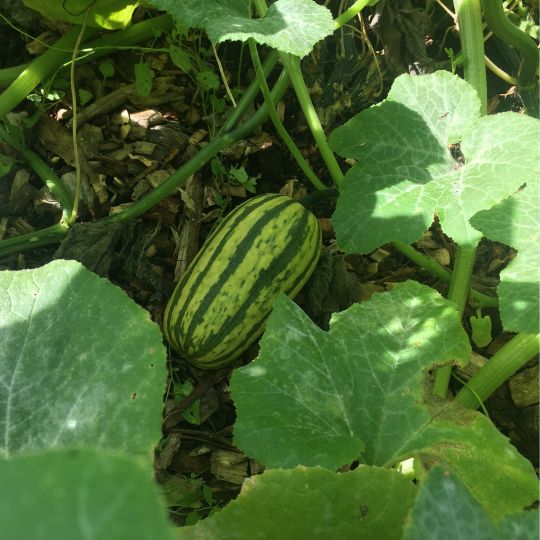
267,246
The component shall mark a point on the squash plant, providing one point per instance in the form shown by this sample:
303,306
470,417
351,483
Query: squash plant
82,368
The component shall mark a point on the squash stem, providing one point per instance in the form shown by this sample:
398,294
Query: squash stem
460,286
43,171
278,124
472,45
502,365
434,268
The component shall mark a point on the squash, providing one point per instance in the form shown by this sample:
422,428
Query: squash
267,246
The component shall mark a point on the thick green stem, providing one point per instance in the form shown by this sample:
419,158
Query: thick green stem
249,95
502,365
347,15
471,35
502,27
49,177
292,65
434,268
40,68
472,45
278,124
460,286
499,24
43,237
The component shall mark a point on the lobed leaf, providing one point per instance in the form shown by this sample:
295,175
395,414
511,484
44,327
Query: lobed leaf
358,392
406,173
291,26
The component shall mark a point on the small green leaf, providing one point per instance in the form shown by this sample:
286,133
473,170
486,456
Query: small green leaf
106,68
6,163
143,79
446,510
207,80
180,58
481,330
84,96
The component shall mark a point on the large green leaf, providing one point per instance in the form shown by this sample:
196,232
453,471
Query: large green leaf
358,391
292,26
76,494
80,363
515,222
318,398
406,173
108,14
364,504
446,510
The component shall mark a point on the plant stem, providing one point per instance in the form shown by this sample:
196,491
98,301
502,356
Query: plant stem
460,286
278,124
434,268
37,70
506,31
99,47
249,95
292,65
500,26
74,126
471,36
502,365
347,15
49,177
44,237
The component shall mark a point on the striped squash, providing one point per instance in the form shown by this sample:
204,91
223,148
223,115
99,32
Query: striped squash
266,246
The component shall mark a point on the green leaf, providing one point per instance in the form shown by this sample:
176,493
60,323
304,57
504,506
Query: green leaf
292,26
359,391
180,58
84,96
318,398
108,14
80,363
516,222
207,80
406,173
143,79
71,494
520,526
6,163
446,510
106,68
364,504
481,330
